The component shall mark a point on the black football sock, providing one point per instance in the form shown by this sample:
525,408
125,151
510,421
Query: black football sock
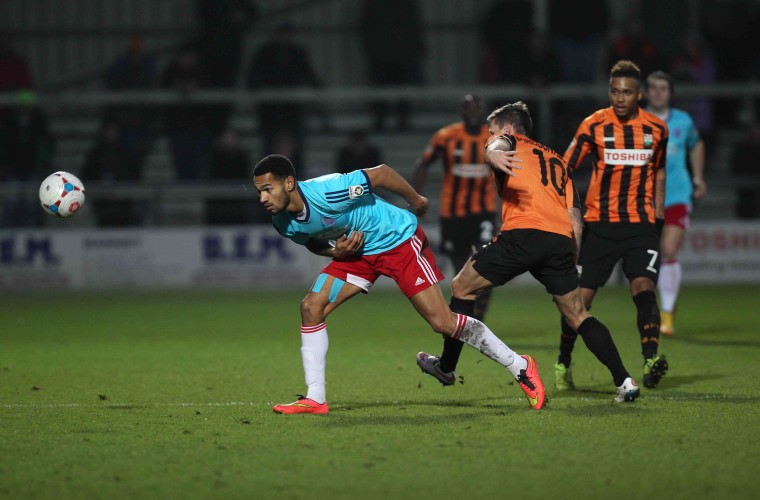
481,306
648,319
599,341
566,344
452,348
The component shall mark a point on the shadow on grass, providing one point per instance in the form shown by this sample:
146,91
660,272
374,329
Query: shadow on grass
716,342
663,392
701,396
603,409
670,381
586,393
407,411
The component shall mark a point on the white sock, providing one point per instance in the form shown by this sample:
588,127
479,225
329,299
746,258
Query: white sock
314,357
476,334
669,284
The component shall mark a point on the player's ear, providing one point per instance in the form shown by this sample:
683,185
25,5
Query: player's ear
290,183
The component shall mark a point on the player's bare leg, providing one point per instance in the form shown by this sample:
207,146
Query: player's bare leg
563,377
597,338
669,282
326,294
452,348
443,367
432,306
648,320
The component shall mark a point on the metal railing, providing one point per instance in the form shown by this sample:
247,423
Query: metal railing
325,98
161,197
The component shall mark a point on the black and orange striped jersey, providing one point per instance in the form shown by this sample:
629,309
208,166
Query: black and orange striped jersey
625,158
539,195
468,187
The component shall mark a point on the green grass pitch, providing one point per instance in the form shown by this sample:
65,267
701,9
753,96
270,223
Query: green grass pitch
169,395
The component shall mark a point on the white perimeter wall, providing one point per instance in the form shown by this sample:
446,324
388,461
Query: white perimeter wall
258,258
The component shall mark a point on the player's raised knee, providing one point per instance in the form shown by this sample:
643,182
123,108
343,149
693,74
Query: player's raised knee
312,308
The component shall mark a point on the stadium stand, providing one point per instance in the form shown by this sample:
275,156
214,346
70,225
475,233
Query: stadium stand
69,49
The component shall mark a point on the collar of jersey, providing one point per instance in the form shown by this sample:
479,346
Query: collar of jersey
307,210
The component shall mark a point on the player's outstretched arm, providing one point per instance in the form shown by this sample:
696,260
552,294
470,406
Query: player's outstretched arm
501,156
697,158
659,194
420,171
432,152
385,177
576,219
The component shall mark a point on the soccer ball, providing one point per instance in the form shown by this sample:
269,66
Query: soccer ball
62,194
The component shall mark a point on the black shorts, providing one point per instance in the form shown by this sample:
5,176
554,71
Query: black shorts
460,236
604,244
549,257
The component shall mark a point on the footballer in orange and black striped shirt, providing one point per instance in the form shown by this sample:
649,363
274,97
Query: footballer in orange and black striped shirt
538,213
627,156
468,194
625,208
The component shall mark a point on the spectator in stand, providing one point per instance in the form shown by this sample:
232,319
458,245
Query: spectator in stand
537,66
186,124
629,41
26,155
505,31
223,25
229,162
14,71
731,28
135,69
579,37
391,34
744,168
229,159
358,152
281,62
696,63
108,161
544,66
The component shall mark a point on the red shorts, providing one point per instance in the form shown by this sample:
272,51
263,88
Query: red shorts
677,215
411,265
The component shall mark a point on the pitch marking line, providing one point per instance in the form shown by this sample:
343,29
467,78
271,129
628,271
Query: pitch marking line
125,405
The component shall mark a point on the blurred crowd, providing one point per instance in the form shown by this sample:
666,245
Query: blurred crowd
205,146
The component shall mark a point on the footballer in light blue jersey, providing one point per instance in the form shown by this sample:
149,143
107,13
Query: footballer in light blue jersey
680,188
337,204
683,137
370,238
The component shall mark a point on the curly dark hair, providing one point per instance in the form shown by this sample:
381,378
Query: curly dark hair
279,166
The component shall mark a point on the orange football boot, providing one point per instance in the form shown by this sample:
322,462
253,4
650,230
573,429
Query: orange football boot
302,405
531,384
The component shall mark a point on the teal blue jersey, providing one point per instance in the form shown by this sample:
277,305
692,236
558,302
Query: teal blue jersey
337,204
683,137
